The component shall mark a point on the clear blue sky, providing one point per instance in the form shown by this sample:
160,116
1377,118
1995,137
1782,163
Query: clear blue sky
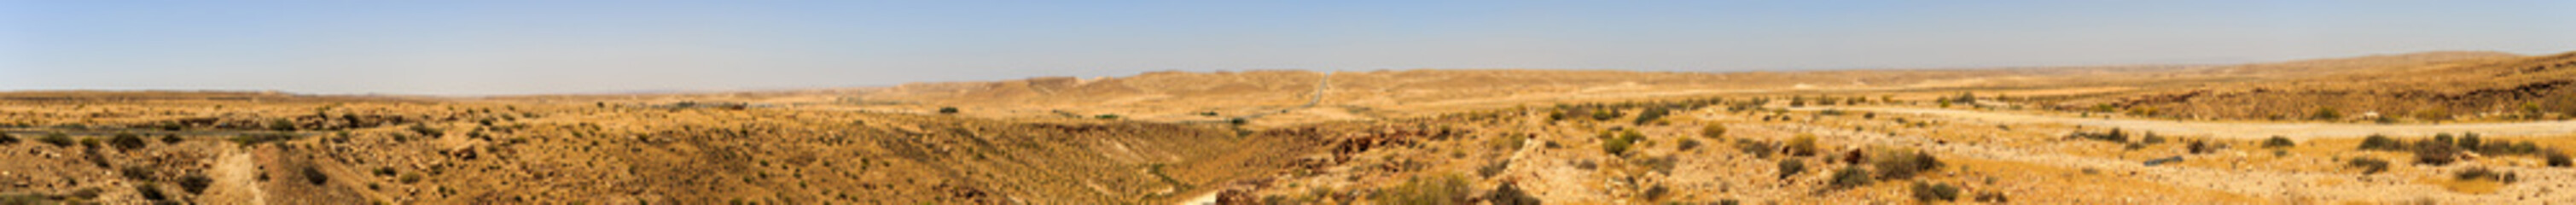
522,47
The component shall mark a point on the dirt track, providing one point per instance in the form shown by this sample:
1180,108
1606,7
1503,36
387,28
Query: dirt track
2247,129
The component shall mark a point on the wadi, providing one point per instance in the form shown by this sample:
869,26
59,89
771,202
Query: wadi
2430,127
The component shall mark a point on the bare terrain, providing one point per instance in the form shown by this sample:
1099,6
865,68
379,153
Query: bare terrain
2435,127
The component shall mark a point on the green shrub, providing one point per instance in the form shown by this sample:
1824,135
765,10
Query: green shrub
2278,142
1850,176
6,139
1927,192
947,110
1791,167
2368,165
171,139
1105,116
57,139
127,141
1441,189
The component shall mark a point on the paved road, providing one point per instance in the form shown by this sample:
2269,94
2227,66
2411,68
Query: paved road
2248,129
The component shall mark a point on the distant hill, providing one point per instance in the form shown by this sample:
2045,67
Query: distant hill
2473,84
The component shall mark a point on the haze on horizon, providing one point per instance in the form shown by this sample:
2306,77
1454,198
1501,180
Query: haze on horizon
515,47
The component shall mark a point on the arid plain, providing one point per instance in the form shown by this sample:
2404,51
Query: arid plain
2441,127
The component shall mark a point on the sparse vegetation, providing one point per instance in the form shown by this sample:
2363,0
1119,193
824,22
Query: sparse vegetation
1851,176
1791,167
1934,192
1713,131
1439,189
2277,142
195,183
1508,194
2367,165
127,141
1803,145
1892,165
57,139
947,110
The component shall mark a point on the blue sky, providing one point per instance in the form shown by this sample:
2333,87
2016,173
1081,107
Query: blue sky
527,47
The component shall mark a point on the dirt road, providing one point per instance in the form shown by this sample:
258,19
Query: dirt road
2245,129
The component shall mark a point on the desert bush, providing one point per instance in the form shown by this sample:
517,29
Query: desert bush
1491,169
315,176
426,131
127,141
57,139
1759,149
1651,114
1850,176
1508,194
281,124
149,191
171,139
2471,142
2152,138
2278,142
2325,113
2367,165
1927,192
2435,153
2557,159
2382,142
1802,145
1713,131
1686,144
195,183
1900,165
2482,173
947,110
1618,145
1441,189
1791,167
1993,197
6,139
1105,116
90,142
1508,142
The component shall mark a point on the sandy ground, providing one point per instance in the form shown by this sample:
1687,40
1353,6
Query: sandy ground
2246,130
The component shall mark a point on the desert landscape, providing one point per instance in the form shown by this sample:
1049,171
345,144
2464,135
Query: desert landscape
2429,127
